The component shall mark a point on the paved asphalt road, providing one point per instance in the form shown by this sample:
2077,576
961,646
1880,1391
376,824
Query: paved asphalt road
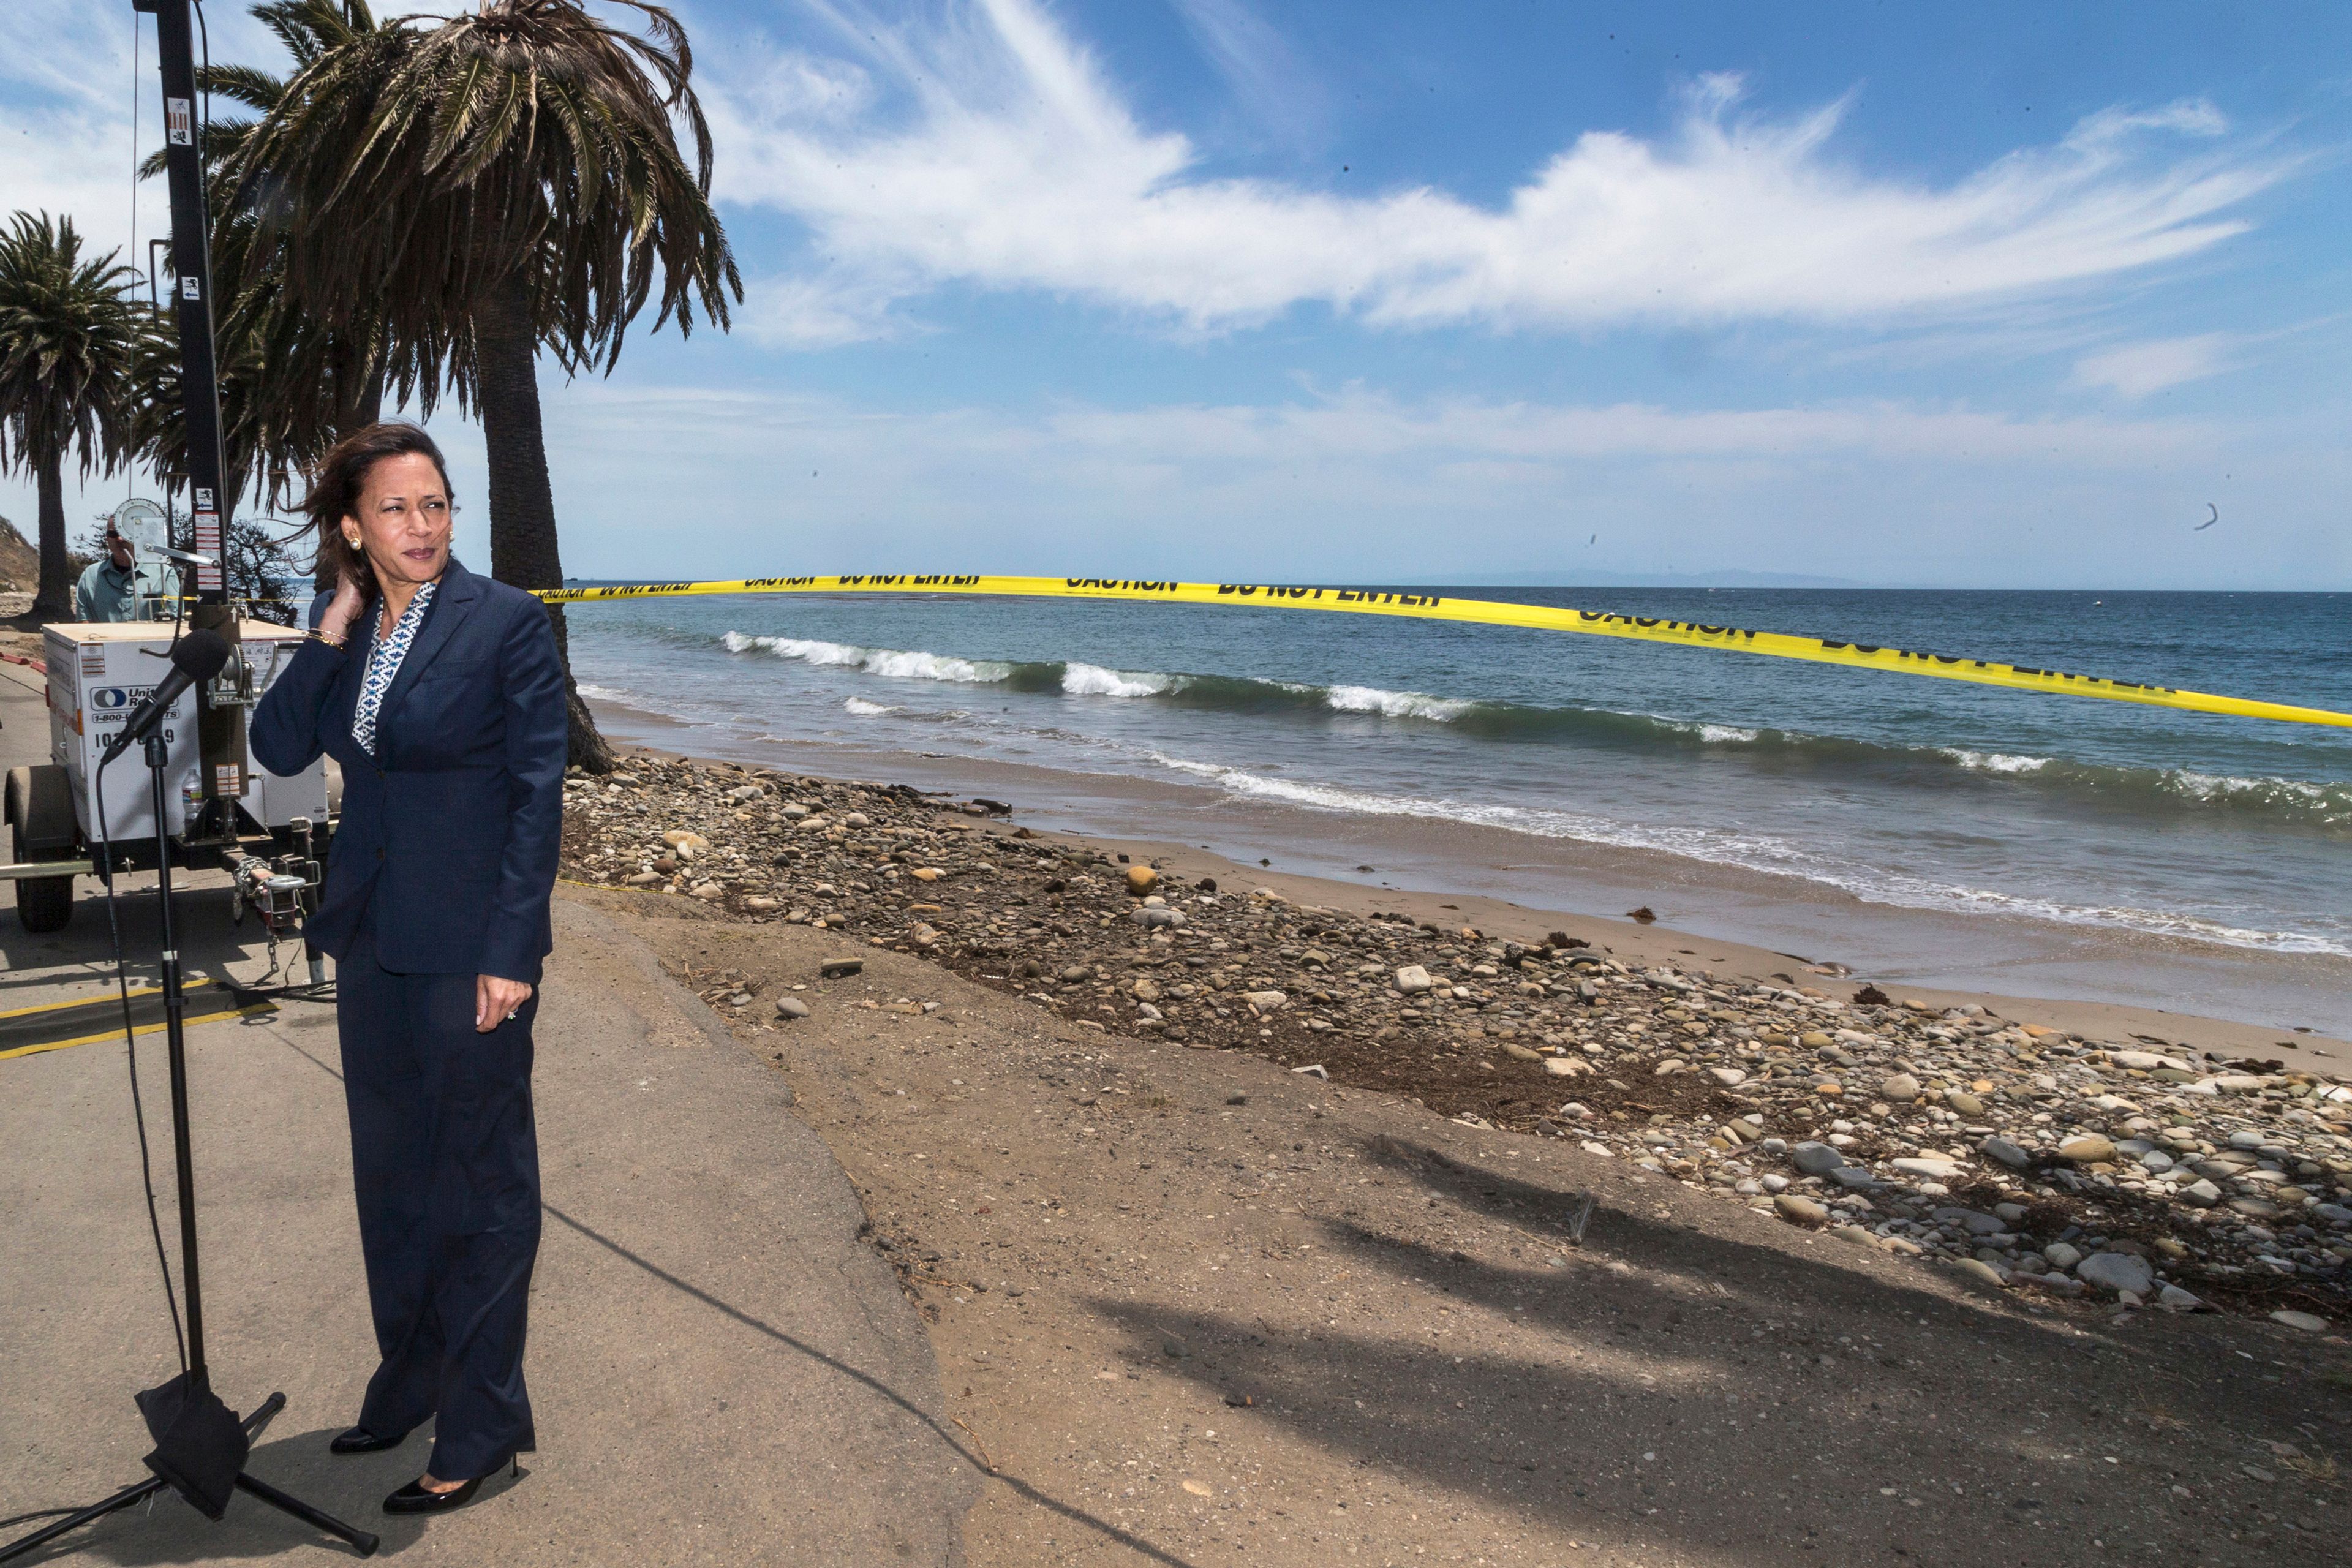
722,1371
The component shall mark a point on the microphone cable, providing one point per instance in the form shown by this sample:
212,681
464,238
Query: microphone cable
130,1052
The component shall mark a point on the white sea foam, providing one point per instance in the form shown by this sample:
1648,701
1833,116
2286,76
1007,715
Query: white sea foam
864,710
903,664
802,648
1711,734
936,666
1994,761
1093,680
608,694
1754,852
1394,704
2212,786
2316,804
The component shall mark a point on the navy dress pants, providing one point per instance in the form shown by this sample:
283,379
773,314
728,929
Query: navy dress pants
444,1157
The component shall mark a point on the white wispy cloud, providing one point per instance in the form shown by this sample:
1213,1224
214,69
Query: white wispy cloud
2136,369
66,94
78,80
48,47
1268,83
993,149
1362,484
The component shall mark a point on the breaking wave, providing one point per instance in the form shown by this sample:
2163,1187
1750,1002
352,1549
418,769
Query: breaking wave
2327,807
1995,762
887,661
1093,680
1392,704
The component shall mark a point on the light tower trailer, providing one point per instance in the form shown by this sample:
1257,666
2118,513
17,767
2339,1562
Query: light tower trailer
270,832
268,836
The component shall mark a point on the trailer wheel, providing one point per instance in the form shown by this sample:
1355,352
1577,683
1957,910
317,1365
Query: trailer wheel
44,904
40,816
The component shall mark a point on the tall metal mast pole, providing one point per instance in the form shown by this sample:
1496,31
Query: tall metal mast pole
220,730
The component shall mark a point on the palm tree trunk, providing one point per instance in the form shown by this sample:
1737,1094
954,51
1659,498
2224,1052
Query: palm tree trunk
53,601
359,400
523,548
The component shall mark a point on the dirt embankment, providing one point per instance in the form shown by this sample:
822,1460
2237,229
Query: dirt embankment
1197,1307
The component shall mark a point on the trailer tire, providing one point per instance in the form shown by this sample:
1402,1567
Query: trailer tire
39,807
45,904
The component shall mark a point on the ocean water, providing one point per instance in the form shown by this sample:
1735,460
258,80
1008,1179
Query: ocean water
2063,822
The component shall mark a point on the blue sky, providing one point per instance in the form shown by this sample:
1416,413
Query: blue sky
1216,289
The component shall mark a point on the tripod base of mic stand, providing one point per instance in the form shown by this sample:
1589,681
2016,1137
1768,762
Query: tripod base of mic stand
362,1541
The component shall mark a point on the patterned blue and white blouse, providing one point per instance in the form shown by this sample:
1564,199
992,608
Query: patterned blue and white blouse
383,664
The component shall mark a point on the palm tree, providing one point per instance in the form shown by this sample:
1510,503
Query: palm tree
479,188
291,385
67,329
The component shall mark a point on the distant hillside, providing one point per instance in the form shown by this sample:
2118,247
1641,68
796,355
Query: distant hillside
20,562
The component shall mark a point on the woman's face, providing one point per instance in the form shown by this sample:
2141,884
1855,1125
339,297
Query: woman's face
403,519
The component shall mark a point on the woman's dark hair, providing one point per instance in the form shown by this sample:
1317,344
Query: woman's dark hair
335,492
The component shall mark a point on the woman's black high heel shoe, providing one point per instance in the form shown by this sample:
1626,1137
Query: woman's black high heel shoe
360,1440
413,1499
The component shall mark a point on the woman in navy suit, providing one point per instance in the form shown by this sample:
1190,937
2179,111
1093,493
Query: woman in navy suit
441,696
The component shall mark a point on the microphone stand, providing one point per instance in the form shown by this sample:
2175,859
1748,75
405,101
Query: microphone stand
157,746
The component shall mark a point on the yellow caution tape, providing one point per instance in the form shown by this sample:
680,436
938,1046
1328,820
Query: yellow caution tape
1493,613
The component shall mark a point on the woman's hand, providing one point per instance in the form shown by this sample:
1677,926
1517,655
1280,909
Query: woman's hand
495,1000
343,609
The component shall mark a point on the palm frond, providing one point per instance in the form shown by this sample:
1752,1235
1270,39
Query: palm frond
247,85
422,164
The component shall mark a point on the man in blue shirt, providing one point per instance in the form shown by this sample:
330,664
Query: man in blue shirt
122,588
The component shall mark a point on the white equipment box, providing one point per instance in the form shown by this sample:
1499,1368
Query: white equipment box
99,672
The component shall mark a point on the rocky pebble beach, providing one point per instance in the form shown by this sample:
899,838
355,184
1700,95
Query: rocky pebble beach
2115,1173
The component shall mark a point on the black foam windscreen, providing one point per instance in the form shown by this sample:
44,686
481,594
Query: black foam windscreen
200,654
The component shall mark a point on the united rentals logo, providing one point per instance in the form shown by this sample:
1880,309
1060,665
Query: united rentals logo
111,704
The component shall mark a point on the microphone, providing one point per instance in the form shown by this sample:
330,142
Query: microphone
199,656
187,557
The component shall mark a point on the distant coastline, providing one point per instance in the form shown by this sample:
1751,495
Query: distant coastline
1584,579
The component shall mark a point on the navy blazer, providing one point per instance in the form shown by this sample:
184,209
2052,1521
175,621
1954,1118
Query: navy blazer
455,826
